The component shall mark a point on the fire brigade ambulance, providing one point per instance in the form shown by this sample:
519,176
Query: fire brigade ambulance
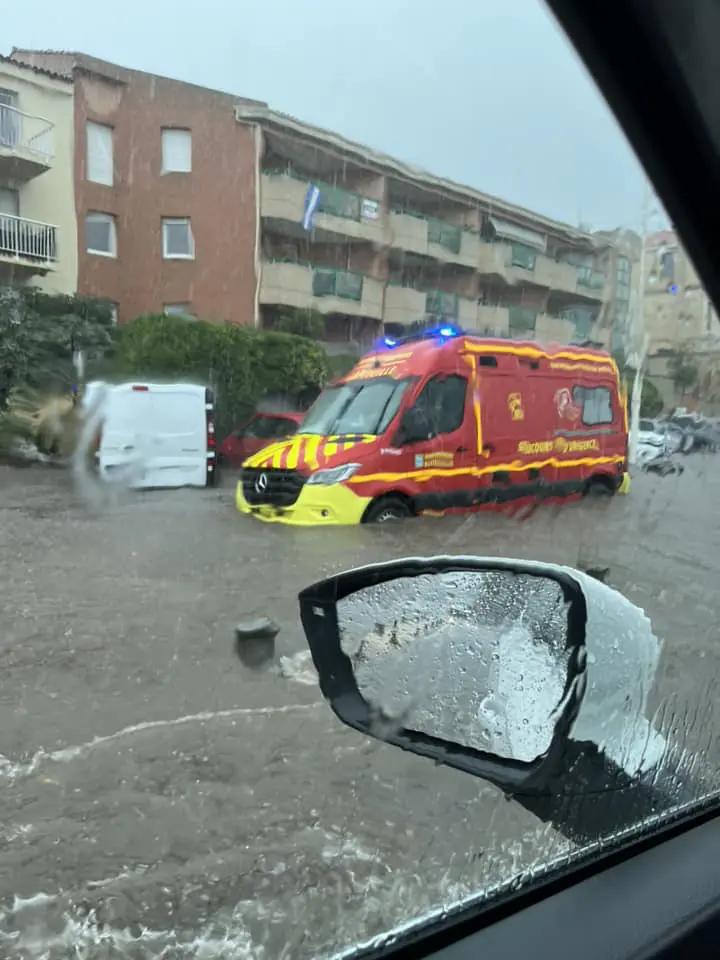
444,422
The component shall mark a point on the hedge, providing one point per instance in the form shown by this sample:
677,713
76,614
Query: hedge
242,365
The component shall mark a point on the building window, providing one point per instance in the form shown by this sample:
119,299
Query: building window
99,143
9,119
179,310
178,243
176,151
9,202
100,234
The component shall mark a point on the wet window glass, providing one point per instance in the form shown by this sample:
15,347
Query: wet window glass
265,428
596,405
442,404
354,408
419,233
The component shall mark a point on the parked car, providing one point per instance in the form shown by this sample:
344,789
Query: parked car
260,430
676,438
704,433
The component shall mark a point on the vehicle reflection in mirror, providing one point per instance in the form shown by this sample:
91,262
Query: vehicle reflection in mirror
476,657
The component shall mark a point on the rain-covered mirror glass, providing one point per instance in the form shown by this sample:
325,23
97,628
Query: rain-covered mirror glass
252,206
475,658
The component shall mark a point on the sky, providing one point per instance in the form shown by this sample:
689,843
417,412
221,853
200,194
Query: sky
485,92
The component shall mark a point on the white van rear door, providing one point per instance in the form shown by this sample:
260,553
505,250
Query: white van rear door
178,451
124,442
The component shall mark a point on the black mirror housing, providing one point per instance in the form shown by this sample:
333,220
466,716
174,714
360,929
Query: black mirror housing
319,615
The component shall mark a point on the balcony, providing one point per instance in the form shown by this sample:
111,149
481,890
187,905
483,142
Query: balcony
494,259
441,305
552,329
591,282
430,237
493,321
26,144
522,322
341,214
27,243
404,305
408,233
321,288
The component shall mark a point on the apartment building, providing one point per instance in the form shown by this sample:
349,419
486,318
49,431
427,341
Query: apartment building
200,203
620,261
164,191
677,311
390,245
38,237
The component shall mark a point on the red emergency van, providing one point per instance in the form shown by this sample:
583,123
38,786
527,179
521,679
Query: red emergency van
442,421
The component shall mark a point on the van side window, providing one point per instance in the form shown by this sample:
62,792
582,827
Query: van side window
442,401
596,405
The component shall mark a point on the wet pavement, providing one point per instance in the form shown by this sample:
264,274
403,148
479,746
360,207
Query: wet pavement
158,799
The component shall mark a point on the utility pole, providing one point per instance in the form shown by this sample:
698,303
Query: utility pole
638,334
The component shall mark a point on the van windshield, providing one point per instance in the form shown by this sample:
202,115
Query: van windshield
355,408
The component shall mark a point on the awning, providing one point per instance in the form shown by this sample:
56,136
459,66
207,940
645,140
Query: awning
511,231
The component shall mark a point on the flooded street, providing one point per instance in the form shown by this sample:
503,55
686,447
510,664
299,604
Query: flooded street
158,799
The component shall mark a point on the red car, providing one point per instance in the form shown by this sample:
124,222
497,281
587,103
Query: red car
260,430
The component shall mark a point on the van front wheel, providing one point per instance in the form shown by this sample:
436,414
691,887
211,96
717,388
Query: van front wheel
387,509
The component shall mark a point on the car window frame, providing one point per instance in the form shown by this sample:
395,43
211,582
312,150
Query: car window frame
659,898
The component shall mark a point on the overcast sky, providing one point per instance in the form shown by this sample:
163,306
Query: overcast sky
487,92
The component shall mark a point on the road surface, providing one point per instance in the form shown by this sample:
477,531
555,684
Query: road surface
157,799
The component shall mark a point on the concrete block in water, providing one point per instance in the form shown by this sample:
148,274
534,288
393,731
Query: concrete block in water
255,641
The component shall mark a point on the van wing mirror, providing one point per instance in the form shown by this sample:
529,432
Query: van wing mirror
531,676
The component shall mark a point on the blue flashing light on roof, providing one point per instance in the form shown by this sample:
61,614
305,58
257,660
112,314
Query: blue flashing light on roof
672,288
445,332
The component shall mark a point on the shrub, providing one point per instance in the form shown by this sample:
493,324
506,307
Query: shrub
39,333
240,364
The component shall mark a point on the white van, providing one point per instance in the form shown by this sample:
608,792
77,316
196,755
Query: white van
153,434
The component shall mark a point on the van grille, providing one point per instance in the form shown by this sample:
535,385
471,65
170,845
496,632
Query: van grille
278,488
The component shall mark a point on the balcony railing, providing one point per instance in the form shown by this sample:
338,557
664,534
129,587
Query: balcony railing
337,283
447,235
24,132
27,239
522,256
582,319
593,279
442,305
522,320
335,201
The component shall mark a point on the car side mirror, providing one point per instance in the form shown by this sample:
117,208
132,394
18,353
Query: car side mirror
414,427
531,676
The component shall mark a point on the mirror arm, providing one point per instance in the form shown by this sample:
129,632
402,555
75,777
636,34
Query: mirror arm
591,797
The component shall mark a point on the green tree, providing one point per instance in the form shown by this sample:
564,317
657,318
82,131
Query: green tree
302,322
242,365
39,333
651,401
683,371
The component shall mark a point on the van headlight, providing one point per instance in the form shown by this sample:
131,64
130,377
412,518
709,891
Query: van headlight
334,474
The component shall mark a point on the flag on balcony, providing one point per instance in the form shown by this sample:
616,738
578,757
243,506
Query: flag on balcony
312,202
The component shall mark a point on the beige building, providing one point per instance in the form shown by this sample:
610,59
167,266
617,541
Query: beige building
389,246
677,311
38,234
